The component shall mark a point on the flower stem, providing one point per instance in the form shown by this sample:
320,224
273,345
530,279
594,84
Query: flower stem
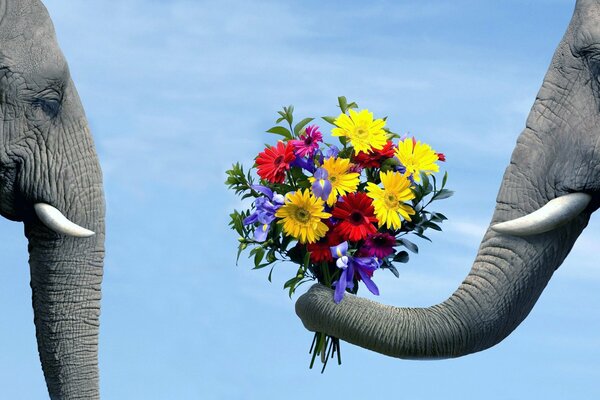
326,347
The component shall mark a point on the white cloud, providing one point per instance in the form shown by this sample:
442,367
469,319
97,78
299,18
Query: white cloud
196,83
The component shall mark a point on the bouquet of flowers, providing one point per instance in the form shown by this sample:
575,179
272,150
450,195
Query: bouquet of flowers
340,212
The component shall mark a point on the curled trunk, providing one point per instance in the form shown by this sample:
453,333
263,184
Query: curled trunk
495,297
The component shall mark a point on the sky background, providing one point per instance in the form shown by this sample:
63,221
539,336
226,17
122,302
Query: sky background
176,91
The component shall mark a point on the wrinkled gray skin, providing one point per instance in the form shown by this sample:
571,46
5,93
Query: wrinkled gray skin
47,155
557,153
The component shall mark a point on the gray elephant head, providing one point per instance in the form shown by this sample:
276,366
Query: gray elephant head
50,180
547,194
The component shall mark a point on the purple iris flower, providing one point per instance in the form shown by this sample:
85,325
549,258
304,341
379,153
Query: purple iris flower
400,168
306,163
321,187
339,250
349,265
332,151
264,213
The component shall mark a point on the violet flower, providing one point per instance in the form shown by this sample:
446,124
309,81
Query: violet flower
321,187
349,265
331,151
264,213
400,168
304,163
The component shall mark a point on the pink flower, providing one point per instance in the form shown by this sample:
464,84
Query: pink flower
379,245
309,141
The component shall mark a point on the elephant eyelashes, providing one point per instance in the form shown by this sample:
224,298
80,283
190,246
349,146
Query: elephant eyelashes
50,106
48,100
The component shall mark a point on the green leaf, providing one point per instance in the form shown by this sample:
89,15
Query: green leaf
401,257
442,194
391,135
444,179
280,130
289,114
236,222
306,260
394,270
236,179
438,217
343,103
300,125
261,266
331,120
271,256
422,236
241,248
426,185
291,282
432,225
409,245
258,256
271,273
298,176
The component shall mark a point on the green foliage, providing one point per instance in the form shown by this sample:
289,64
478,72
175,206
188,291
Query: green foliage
300,125
426,193
286,115
344,105
280,130
331,120
238,181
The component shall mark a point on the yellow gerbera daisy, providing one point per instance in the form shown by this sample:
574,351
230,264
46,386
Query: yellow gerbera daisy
417,157
342,181
302,216
389,201
363,132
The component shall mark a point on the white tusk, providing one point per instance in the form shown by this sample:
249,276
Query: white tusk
555,213
56,221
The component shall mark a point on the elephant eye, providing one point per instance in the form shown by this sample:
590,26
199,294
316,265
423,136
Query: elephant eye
592,61
49,103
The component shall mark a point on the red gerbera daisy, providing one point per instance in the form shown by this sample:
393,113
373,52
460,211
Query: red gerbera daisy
356,214
320,251
273,162
375,157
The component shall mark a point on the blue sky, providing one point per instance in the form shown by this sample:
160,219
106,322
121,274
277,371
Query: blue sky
176,91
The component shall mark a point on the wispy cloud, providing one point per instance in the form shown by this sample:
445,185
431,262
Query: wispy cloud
196,83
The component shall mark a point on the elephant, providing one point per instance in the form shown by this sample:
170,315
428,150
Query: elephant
547,194
50,179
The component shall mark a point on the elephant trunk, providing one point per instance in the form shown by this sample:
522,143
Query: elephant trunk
507,277
495,297
66,275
